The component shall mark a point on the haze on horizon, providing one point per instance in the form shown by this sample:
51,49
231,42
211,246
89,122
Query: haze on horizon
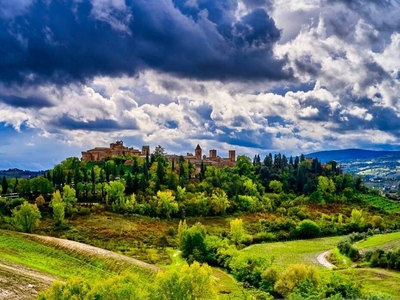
258,76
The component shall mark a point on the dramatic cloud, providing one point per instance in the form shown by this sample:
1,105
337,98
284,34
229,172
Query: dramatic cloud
73,41
257,76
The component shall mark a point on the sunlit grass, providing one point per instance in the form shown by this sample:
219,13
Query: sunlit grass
292,252
375,280
386,241
60,262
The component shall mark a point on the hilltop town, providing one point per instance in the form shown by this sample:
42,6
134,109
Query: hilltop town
118,149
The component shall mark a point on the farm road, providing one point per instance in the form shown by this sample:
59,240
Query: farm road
321,258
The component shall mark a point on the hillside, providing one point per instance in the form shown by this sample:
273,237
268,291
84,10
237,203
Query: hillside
17,173
35,261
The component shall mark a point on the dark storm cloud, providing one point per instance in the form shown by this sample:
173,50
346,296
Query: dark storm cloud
68,41
103,125
25,102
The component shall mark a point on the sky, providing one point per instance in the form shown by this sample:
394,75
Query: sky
257,76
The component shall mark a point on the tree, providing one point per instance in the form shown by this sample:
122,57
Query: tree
26,217
41,185
182,227
237,231
357,217
166,203
40,201
69,198
276,186
219,202
194,282
159,153
244,166
115,192
193,245
58,206
4,185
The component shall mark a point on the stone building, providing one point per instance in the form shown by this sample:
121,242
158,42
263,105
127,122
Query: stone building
115,149
212,160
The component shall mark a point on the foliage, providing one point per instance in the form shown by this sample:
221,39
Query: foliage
40,201
4,185
193,245
69,198
115,192
58,206
26,217
219,202
189,283
182,227
276,186
293,276
308,229
166,203
237,232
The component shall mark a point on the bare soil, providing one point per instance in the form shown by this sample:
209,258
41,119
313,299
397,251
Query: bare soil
18,282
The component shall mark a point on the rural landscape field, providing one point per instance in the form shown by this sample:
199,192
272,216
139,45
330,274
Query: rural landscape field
199,149
277,228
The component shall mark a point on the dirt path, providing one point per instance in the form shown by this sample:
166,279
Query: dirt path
67,244
18,282
321,258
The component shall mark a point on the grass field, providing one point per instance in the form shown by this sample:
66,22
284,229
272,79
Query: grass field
373,280
292,252
384,241
62,263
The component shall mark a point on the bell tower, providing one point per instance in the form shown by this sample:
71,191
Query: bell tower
197,152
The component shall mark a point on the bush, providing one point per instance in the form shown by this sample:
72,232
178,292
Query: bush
308,229
83,211
193,246
339,287
268,279
264,237
293,276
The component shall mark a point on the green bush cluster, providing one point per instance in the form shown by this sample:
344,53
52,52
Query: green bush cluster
384,259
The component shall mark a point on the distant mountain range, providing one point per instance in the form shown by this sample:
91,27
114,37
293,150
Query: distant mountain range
350,154
17,173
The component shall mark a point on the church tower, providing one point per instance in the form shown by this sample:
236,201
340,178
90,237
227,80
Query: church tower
197,152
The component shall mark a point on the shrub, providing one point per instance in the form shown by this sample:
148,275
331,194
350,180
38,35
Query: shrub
83,211
40,201
268,279
340,288
213,243
188,283
293,276
193,246
308,229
